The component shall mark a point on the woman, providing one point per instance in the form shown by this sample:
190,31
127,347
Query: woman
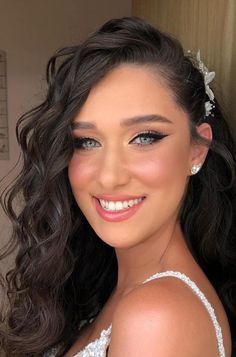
127,235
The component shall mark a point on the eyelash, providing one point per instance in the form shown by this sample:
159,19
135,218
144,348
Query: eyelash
154,135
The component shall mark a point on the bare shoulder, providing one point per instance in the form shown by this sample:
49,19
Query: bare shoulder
162,317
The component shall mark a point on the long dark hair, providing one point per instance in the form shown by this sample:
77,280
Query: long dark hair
64,272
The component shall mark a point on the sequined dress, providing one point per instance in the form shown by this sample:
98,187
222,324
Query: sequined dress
98,347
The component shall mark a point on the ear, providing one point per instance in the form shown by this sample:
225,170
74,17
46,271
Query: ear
198,150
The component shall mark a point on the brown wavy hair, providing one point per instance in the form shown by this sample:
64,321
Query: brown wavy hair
64,273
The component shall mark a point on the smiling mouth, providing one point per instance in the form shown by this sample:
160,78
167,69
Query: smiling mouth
117,206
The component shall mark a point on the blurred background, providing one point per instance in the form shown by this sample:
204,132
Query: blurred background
31,31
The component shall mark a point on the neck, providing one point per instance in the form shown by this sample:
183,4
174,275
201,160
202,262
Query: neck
153,255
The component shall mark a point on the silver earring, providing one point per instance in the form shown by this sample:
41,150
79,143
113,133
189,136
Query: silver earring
195,168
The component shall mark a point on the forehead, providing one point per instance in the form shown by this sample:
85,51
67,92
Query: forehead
128,91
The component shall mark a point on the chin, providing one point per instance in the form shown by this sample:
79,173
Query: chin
119,242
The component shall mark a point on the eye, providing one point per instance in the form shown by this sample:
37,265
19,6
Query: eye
83,143
148,138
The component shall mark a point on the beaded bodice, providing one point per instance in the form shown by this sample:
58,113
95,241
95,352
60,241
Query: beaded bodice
98,347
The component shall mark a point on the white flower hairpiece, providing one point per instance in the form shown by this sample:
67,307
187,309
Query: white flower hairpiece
208,78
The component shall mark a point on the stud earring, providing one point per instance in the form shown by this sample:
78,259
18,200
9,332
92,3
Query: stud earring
195,168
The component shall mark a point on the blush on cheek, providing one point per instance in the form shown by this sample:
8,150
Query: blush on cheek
152,171
80,172
165,168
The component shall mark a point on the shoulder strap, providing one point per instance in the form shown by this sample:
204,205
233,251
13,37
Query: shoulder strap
202,297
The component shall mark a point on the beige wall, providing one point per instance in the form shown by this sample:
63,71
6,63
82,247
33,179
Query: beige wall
208,25
30,31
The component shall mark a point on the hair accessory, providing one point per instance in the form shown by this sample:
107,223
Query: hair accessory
208,78
195,168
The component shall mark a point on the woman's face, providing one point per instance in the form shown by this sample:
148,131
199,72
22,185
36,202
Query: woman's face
132,146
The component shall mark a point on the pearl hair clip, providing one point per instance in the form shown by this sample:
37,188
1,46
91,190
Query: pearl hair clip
208,78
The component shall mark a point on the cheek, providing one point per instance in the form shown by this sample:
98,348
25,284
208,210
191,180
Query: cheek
149,170
79,172
167,167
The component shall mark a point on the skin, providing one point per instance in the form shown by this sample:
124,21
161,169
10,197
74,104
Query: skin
151,240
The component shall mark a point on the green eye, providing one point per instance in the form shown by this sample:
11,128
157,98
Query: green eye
85,143
148,138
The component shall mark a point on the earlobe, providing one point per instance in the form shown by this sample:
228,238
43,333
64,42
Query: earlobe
200,150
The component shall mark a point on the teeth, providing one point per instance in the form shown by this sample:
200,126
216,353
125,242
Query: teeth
131,203
119,205
125,204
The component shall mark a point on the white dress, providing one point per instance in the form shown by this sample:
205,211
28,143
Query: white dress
98,347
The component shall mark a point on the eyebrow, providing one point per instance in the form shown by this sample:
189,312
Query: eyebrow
151,118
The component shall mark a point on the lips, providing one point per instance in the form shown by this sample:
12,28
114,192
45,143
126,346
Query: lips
117,216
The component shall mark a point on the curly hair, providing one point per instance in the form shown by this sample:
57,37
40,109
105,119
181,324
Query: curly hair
64,273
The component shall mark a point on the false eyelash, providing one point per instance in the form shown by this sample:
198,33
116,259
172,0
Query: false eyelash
156,136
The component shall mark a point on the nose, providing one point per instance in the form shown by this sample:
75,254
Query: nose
112,171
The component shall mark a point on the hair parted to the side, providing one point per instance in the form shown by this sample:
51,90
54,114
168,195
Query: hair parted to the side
64,272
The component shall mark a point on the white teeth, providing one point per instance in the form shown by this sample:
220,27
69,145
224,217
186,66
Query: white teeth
125,204
112,206
119,205
131,203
